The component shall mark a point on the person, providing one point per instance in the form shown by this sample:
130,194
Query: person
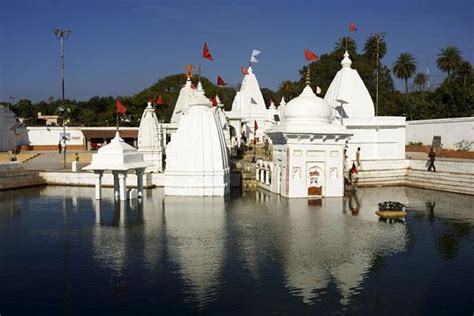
76,157
431,160
267,144
60,147
358,157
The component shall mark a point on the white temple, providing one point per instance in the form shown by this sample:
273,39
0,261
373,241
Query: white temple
150,140
307,150
197,161
220,113
379,137
248,106
182,104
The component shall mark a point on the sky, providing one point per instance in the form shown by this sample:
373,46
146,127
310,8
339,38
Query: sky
121,47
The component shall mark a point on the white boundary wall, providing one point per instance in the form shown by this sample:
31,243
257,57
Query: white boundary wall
451,130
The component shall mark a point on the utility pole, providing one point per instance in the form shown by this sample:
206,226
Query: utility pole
62,35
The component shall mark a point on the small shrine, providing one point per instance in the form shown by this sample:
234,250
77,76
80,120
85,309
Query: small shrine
119,158
150,139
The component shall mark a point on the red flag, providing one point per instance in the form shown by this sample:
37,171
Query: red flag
220,81
158,100
120,107
352,27
206,53
354,169
244,71
310,56
214,101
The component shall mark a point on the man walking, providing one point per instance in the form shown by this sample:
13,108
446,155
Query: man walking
431,157
60,147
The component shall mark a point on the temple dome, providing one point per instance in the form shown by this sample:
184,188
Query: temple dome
308,107
348,93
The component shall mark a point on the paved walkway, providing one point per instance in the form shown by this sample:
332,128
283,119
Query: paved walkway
52,160
424,156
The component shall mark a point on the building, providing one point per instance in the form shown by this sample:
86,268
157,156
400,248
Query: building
150,139
307,150
11,131
197,159
248,107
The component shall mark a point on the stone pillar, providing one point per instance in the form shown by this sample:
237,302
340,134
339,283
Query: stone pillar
267,176
122,176
116,183
257,173
98,184
139,172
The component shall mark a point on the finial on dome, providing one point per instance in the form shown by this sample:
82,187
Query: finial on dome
218,100
308,78
272,105
249,70
282,102
346,62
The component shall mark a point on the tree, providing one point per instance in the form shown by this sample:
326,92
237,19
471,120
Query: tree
371,47
464,72
449,60
404,68
420,81
345,44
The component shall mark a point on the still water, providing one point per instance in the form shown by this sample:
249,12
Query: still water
62,252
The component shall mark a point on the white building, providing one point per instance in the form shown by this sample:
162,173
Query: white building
150,139
220,113
379,137
307,150
248,106
197,161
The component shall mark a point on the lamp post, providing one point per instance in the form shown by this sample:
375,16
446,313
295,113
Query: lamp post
62,35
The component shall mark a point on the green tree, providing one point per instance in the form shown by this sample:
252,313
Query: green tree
404,68
371,47
420,80
449,60
344,44
464,73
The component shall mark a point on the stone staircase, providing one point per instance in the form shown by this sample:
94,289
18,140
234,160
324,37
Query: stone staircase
18,178
247,169
442,181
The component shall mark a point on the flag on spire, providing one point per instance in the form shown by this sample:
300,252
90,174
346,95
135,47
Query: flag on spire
352,27
310,56
206,53
253,57
220,81
244,71
121,109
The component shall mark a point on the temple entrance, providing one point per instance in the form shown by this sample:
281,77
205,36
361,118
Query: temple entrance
315,183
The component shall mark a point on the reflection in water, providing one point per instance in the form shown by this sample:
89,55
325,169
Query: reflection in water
281,251
196,234
324,246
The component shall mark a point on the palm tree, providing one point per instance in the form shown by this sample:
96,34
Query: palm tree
404,67
449,59
464,72
371,47
420,80
343,44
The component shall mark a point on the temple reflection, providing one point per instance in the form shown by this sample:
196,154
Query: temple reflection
195,228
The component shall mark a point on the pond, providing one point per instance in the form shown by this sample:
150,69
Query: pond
63,252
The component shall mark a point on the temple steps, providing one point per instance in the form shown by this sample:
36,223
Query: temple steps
20,178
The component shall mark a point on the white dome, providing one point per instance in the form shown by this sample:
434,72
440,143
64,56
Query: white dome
308,107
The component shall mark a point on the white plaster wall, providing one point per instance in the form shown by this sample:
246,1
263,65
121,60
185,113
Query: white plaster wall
45,135
451,130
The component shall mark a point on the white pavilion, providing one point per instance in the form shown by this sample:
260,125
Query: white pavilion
197,162
118,157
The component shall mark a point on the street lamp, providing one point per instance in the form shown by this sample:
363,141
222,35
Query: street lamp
62,35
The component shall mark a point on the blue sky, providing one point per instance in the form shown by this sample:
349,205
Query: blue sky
121,47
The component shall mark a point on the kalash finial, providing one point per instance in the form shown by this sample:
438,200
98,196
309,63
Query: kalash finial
308,78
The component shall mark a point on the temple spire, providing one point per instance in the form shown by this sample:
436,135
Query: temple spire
308,78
